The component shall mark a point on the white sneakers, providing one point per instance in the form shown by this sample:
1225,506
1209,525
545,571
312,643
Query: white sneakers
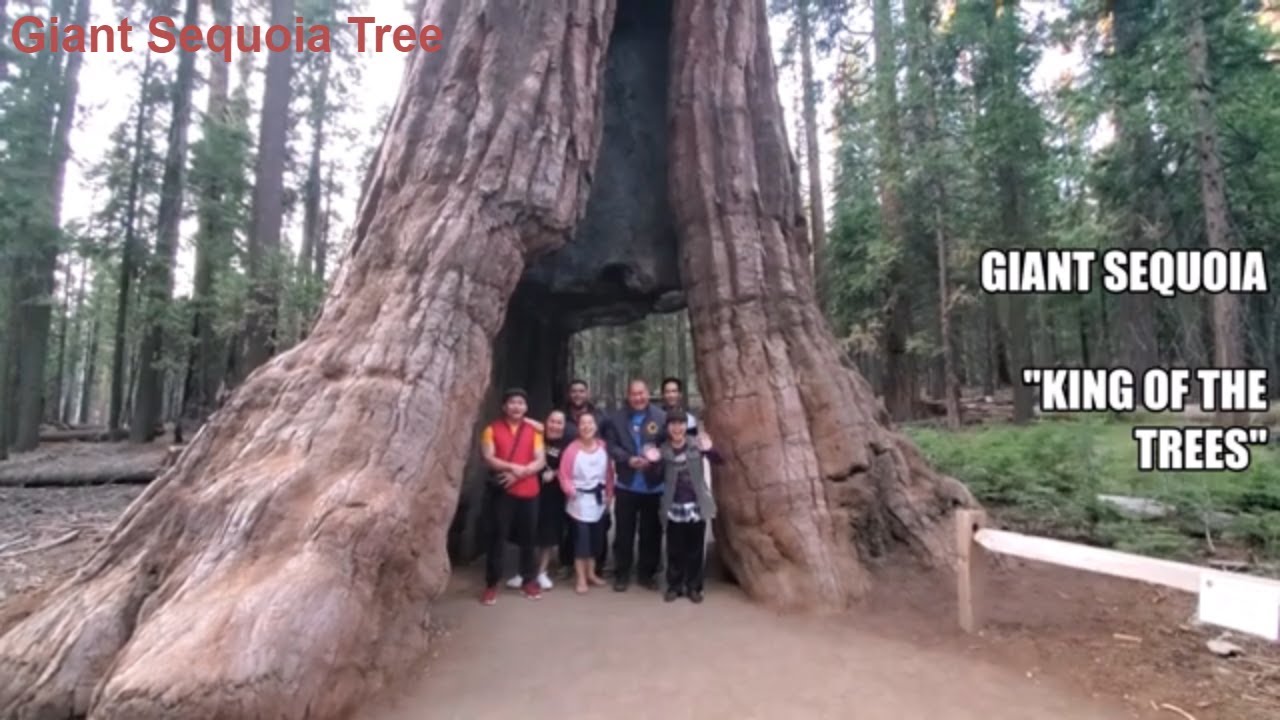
544,582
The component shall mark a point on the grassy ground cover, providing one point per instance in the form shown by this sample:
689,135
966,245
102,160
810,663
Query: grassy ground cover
1045,479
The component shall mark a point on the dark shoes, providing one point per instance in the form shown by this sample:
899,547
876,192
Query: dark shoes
673,592
620,583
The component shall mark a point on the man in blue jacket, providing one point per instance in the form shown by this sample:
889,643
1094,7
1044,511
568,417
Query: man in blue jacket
628,434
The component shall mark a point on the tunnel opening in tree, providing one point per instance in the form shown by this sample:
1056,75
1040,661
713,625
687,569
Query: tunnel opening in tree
621,263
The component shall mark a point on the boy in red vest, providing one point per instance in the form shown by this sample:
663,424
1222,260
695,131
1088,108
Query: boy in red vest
513,449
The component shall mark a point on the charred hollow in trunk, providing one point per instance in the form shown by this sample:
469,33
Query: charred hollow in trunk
622,262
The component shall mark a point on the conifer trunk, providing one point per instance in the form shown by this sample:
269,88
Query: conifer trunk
268,202
816,485
283,567
148,404
1226,309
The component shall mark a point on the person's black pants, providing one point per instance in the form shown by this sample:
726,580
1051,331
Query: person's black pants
686,552
636,514
515,519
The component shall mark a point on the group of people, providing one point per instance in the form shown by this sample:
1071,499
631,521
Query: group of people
558,486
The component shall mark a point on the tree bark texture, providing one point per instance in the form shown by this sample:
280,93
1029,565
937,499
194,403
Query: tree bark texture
816,484
282,568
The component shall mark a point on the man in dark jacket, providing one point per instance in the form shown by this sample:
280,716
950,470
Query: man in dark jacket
628,434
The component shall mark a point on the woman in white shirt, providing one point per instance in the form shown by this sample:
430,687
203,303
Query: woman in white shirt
586,477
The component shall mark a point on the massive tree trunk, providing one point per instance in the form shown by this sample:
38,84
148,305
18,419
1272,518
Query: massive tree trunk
816,484
283,567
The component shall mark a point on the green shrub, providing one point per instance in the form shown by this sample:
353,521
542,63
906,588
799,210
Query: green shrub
1045,478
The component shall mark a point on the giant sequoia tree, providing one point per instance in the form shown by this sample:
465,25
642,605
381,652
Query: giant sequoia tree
283,568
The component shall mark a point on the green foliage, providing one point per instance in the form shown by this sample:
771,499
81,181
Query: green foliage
1022,164
1046,478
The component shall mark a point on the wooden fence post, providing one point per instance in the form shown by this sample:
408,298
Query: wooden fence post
971,568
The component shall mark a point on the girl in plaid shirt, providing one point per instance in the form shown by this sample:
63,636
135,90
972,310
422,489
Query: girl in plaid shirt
687,506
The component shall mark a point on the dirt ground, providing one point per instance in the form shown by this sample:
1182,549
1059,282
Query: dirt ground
1051,652
31,518
1059,644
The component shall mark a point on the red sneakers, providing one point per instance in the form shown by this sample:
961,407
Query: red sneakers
532,591
489,596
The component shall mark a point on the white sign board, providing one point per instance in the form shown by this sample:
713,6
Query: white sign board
1241,603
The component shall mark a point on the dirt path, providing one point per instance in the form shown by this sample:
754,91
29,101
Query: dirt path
621,656
1059,644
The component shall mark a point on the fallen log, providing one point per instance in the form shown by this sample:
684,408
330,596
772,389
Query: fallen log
96,464
83,434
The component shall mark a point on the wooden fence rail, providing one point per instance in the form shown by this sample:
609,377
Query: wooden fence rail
1233,600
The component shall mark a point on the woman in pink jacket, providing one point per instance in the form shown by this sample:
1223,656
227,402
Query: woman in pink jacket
586,476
